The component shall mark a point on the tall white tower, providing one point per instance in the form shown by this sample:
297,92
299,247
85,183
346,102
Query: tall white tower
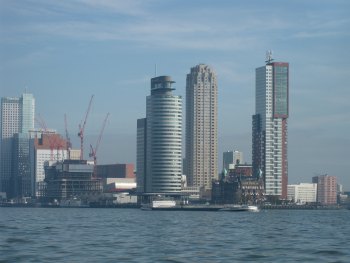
270,126
159,156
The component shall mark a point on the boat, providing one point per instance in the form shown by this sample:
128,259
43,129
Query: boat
72,203
159,204
240,208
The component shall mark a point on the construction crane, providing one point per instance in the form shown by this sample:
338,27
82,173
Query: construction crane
82,129
68,142
93,151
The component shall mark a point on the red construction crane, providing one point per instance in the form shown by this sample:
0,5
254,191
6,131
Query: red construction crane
82,128
68,144
93,151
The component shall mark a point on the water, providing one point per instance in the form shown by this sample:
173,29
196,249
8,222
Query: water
132,235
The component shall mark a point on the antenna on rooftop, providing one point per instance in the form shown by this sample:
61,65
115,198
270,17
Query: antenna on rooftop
269,58
155,70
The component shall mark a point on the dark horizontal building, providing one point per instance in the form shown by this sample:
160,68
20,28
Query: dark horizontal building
238,190
70,179
118,170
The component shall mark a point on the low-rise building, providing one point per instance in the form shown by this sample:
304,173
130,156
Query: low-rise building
119,170
237,190
326,189
70,179
302,193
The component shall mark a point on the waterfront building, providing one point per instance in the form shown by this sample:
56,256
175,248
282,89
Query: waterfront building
326,189
201,127
17,117
141,155
48,146
22,163
71,179
238,190
302,193
269,131
159,141
118,170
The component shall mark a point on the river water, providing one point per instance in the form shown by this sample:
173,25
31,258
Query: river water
133,235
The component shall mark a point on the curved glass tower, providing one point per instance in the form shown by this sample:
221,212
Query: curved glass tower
163,138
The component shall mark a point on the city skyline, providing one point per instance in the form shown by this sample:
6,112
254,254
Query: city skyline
63,52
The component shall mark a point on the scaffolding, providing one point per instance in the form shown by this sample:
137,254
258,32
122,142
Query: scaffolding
70,179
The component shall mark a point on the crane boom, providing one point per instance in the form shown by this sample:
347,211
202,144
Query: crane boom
93,151
101,133
68,144
82,129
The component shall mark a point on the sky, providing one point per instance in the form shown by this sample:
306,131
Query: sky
63,52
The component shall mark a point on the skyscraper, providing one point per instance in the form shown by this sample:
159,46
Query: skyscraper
141,155
231,158
269,135
17,117
201,126
159,140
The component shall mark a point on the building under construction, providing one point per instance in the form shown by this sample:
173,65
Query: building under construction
71,179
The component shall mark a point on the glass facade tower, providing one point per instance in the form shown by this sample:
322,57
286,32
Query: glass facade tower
17,118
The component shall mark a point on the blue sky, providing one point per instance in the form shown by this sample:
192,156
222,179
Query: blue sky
65,51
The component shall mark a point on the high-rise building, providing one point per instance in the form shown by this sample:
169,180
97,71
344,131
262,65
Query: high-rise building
201,127
326,189
269,135
141,155
159,140
231,158
227,160
17,117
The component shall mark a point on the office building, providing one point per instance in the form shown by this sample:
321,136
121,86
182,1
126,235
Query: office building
269,133
118,170
17,117
71,179
201,127
326,189
302,193
141,155
159,141
48,146
231,158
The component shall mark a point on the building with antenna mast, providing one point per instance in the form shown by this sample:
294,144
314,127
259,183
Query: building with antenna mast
269,126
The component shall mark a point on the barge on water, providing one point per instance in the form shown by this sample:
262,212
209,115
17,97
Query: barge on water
170,205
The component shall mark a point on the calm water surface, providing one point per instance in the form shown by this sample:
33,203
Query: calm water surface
132,235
